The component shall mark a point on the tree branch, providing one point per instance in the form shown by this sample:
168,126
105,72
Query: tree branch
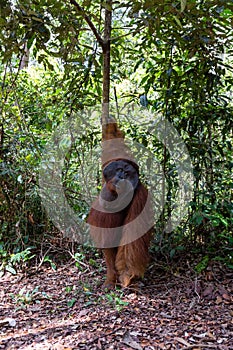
89,22
106,52
106,68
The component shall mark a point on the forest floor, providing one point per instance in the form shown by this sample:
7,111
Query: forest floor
67,309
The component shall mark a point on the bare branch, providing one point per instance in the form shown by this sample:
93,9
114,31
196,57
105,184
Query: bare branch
89,22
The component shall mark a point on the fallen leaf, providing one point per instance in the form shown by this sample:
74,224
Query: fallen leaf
128,340
182,341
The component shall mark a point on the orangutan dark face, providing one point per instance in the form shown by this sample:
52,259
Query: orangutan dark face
121,180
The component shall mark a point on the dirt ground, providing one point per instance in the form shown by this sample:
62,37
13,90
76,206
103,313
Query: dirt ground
67,309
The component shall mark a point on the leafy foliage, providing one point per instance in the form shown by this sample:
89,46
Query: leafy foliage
174,58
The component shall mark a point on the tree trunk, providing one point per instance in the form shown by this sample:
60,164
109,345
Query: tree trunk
25,58
106,64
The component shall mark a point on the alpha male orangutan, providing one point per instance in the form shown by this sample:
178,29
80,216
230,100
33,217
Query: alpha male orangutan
121,222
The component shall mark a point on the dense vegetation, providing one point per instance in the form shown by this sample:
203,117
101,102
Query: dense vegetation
172,58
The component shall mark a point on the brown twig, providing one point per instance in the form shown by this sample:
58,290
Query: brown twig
196,345
201,345
89,22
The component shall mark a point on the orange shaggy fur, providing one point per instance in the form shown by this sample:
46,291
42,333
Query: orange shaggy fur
125,261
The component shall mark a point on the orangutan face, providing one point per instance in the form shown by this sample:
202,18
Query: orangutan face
121,180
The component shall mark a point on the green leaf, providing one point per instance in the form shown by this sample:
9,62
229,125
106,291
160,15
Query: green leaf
70,303
202,265
183,4
29,157
178,21
10,269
